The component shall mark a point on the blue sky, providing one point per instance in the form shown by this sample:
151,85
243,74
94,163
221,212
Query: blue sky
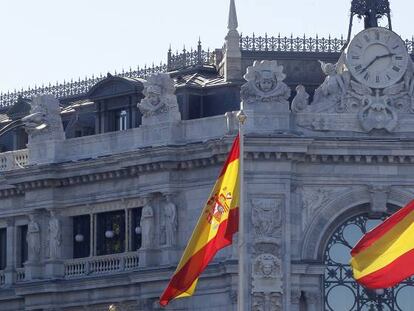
54,40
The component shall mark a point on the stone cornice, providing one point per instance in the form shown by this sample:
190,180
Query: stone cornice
187,157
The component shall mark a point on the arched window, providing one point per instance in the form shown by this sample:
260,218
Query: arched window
342,293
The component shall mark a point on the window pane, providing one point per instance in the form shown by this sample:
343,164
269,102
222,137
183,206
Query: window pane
3,248
135,229
111,233
23,245
341,290
81,236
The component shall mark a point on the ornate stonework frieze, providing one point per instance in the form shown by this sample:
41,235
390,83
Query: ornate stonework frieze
265,84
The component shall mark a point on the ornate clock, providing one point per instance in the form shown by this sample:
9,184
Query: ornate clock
377,57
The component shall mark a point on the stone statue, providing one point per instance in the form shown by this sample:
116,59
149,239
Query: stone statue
171,222
335,85
301,100
147,225
55,236
33,239
160,103
265,84
44,121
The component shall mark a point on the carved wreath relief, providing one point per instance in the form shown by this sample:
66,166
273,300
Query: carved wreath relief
266,218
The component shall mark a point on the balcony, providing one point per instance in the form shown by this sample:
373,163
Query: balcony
13,160
92,266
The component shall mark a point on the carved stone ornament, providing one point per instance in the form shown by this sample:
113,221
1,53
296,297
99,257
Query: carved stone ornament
265,84
276,302
259,300
267,274
33,239
314,198
266,218
44,121
147,225
160,103
301,100
343,104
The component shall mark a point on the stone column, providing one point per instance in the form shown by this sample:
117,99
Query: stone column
11,253
33,268
54,265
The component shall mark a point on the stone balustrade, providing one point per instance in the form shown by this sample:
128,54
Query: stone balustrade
20,275
82,267
13,160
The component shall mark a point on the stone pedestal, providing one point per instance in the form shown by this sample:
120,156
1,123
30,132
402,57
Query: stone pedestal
148,257
9,276
44,152
33,270
55,269
169,256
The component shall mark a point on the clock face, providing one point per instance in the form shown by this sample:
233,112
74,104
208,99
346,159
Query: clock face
377,57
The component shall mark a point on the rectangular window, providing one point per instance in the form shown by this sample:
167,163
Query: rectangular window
81,236
110,233
3,248
23,247
135,234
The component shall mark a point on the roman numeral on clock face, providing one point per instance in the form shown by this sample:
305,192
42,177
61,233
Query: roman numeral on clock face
395,68
359,67
366,77
377,79
398,57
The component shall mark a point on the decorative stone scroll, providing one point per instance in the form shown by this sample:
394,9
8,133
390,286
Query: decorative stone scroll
160,103
265,85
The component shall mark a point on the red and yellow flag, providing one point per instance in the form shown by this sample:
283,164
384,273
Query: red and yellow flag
214,230
385,256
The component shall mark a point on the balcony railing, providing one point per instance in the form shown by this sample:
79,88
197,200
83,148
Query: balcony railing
13,160
20,275
82,267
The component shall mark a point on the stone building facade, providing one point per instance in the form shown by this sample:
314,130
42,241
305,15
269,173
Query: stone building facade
101,190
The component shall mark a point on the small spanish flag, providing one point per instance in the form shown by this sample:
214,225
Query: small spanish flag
214,230
384,257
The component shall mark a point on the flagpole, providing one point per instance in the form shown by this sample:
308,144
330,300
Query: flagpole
243,280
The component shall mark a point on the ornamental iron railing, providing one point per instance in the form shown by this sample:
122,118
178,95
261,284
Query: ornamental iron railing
74,88
299,44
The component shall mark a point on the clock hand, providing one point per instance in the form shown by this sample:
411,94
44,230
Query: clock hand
375,59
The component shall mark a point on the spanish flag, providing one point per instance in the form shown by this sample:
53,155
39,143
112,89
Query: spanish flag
384,257
214,230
